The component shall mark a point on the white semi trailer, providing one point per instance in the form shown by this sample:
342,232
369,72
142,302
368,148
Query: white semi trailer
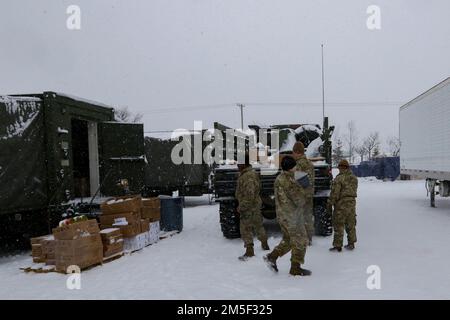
425,139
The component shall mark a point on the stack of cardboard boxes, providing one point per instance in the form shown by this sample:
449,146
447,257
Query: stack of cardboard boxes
137,219
112,242
43,249
123,213
151,209
78,244
128,224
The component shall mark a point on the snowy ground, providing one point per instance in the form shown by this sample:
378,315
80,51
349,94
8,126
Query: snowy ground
397,231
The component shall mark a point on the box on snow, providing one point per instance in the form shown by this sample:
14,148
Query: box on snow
122,204
76,230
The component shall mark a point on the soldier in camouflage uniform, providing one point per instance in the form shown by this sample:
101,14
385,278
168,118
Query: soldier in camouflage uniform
305,165
249,209
343,199
290,201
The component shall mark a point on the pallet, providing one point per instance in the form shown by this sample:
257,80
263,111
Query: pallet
42,268
113,257
167,234
39,268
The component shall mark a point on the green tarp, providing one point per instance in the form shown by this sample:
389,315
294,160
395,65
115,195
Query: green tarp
22,154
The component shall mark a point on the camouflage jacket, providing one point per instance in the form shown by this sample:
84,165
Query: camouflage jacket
305,165
345,185
247,190
289,199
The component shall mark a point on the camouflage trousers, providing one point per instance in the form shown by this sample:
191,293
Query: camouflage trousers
344,217
252,221
295,239
309,214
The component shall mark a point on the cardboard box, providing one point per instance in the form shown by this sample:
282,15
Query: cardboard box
76,230
135,243
110,233
153,214
112,240
36,254
130,230
145,225
112,249
109,219
151,202
87,259
41,247
153,233
36,250
38,240
82,252
70,247
122,204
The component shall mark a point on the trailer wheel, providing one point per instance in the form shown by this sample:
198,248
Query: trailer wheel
229,220
322,220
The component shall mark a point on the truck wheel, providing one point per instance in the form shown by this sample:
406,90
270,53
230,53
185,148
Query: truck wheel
322,221
229,220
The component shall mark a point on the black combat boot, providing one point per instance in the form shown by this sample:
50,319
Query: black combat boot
249,252
265,245
350,246
336,249
271,261
296,270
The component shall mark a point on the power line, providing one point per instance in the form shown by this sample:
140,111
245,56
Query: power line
189,108
276,104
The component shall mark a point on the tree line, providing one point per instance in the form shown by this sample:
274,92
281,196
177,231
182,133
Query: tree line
355,149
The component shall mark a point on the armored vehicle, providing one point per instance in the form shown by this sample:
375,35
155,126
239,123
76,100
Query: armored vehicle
317,142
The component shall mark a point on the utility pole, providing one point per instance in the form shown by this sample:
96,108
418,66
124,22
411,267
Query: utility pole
241,106
323,88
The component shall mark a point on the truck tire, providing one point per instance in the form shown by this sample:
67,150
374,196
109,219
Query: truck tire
229,220
322,220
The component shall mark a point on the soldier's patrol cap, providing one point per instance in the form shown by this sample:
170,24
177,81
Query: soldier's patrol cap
343,164
287,163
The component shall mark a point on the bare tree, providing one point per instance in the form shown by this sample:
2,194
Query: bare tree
122,114
371,143
361,151
394,146
351,140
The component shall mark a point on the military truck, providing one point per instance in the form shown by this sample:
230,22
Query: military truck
60,153
317,142
162,176
56,148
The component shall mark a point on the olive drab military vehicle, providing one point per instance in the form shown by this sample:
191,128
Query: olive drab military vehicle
55,148
60,154
317,142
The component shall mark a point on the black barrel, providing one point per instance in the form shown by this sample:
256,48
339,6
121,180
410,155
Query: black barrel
171,213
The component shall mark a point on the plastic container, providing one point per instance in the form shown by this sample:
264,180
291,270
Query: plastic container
171,213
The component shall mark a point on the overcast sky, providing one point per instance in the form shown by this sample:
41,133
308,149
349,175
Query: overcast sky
162,58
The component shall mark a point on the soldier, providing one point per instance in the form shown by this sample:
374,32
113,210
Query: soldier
305,165
249,209
290,201
343,199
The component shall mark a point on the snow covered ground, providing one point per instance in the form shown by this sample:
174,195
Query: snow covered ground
397,231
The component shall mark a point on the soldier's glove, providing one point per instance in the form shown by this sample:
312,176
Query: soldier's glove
329,209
